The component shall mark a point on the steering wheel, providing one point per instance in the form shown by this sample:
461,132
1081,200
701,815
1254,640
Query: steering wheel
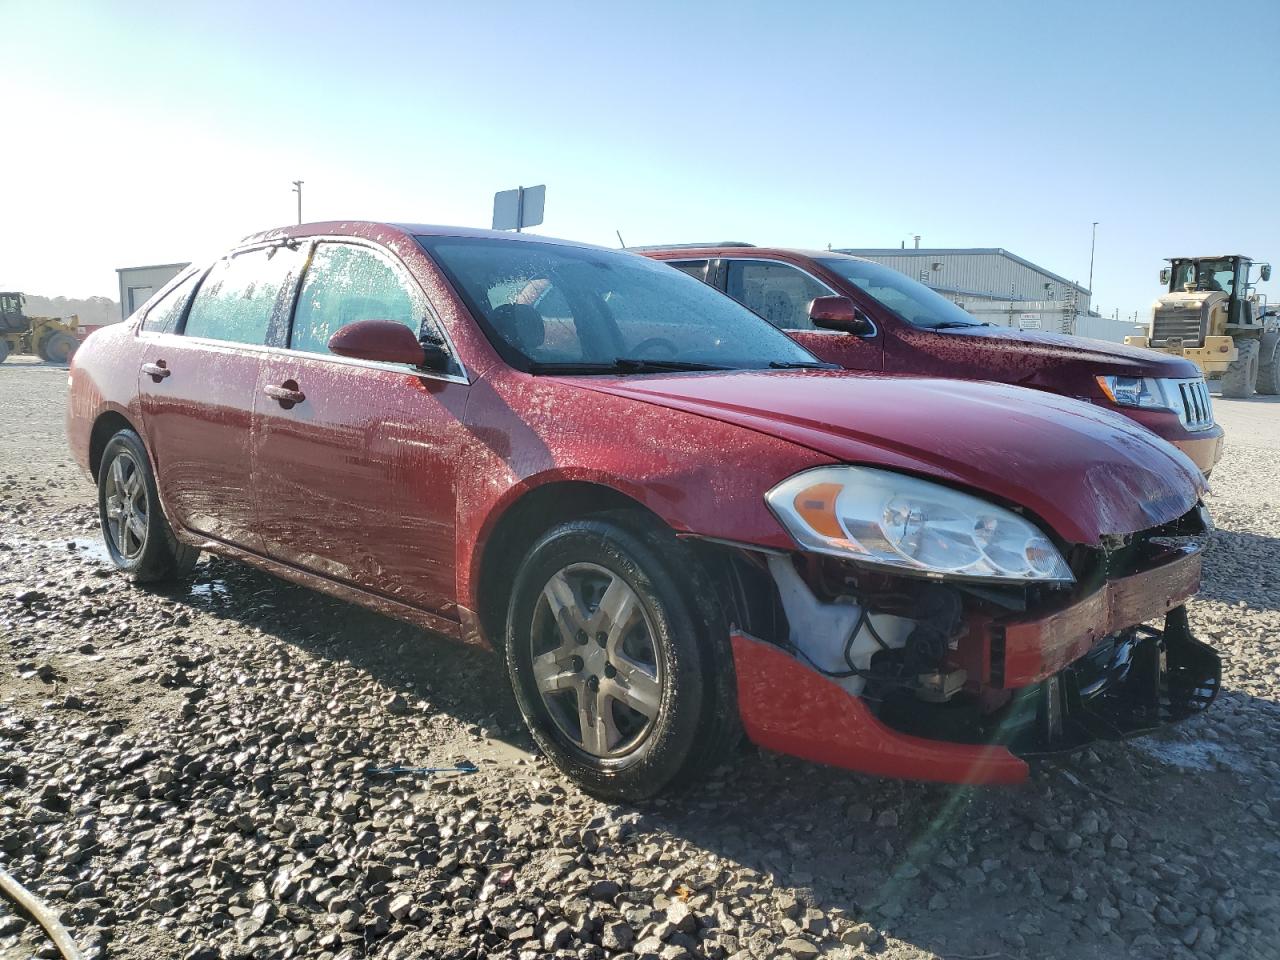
661,343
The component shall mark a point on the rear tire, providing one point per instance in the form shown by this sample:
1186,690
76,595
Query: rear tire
4,349
138,537
624,679
1239,379
1269,365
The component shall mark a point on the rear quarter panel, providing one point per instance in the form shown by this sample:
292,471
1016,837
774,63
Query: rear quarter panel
103,377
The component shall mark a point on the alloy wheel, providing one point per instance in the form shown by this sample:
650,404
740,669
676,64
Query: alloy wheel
595,660
126,512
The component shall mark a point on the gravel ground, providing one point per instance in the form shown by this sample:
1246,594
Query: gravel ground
188,774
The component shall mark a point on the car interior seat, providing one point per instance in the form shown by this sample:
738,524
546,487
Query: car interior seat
520,325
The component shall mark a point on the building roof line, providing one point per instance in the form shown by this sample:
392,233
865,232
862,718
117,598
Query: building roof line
154,266
961,251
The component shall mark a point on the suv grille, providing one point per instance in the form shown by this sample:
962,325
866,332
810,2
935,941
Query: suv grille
1177,325
1190,398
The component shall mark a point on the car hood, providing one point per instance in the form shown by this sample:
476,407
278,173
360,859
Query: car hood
1083,470
1034,348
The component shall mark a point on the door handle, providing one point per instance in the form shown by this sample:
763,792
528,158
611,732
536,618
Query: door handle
287,394
156,371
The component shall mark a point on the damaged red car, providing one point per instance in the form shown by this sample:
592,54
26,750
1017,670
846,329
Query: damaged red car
673,521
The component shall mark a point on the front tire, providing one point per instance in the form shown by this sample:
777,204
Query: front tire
1239,378
138,537
624,679
58,348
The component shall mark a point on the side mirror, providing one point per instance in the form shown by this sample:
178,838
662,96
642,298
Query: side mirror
383,341
1265,271
838,313
1164,277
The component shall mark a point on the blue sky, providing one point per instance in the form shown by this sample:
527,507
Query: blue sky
150,133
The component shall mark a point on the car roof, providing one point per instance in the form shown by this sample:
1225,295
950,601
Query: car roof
366,228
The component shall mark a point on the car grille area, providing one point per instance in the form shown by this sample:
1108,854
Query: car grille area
1190,398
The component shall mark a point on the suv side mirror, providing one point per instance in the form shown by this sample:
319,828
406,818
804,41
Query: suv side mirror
385,341
1164,277
1265,271
838,313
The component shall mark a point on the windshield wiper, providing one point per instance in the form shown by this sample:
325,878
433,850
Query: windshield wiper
641,364
802,365
945,324
621,365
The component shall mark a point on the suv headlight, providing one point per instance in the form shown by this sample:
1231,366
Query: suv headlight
1134,391
894,520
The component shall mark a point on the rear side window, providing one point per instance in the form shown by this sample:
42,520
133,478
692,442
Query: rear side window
238,298
165,313
346,283
778,292
694,268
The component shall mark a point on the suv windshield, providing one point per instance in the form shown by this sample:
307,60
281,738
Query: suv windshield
912,301
551,307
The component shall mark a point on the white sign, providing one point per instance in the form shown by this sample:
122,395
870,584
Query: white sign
521,207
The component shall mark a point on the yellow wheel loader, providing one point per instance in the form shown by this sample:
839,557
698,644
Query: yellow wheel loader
52,339
1212,316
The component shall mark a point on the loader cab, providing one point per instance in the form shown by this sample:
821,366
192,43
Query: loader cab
1227,274
11,316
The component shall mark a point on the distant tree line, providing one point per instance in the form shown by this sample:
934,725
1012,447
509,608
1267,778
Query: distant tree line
94,311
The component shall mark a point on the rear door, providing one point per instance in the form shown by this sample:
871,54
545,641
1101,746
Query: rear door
782,293
197,382
356,480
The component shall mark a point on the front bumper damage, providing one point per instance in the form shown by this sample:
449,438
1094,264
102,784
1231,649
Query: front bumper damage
1033,683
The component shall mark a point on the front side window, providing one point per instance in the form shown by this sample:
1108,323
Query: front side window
543,304
237,300
345,283
912,301
778,292
164,315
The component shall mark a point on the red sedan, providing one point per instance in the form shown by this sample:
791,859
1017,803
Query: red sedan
674,522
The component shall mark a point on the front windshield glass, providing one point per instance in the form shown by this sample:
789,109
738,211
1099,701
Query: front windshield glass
550,307
912,301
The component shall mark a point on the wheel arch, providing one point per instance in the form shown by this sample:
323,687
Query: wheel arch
513,530
105,426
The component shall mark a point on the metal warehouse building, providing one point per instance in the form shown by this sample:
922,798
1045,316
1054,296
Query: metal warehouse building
1002,288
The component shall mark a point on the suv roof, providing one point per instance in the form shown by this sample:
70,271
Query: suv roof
744,249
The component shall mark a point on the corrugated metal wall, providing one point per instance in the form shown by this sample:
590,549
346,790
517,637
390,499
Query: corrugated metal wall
992,274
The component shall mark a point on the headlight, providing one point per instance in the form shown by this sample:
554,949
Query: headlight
1134,391
894,520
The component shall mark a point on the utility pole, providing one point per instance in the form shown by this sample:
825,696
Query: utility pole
297,188
1092,244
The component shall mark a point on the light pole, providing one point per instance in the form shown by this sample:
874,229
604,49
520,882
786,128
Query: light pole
1092,244
297,188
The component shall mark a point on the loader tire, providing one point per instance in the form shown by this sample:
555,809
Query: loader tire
1269,365
1239,379
4,350
58,348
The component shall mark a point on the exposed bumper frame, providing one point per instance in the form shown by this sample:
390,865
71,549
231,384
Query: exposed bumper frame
789,707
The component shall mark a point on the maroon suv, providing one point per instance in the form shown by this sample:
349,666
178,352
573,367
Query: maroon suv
863,315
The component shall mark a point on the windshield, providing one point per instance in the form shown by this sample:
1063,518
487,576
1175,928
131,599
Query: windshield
550,307
1216,274
912,301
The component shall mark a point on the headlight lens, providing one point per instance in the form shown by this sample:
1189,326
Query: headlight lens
895,520
1134,391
